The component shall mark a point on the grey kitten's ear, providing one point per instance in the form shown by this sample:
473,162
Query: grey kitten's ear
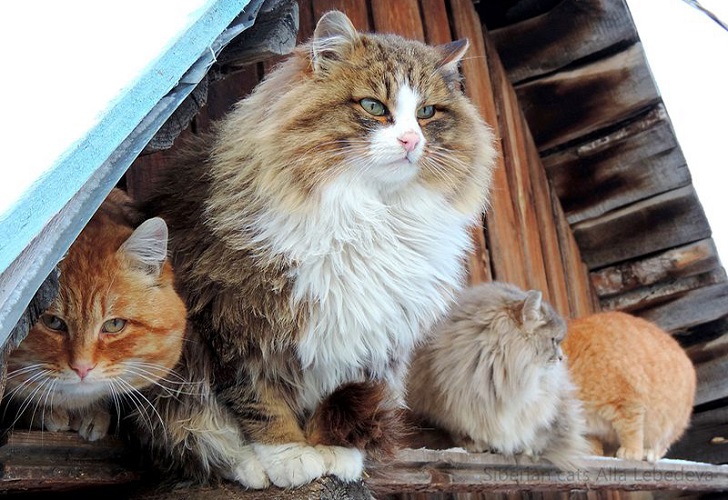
148,244
334,33
452,54
531,313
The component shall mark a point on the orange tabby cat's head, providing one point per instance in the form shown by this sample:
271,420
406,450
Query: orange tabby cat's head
374,109
117,324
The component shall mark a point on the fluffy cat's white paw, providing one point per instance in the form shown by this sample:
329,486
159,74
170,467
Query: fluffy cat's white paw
56,420
94,425
652,455
629,454
249,471
290,465
345,463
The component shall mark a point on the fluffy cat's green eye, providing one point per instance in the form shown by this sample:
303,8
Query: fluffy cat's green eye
114,325
373,107
426,112
54,323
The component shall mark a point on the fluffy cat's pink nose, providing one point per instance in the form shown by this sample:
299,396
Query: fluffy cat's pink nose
82,369
409,141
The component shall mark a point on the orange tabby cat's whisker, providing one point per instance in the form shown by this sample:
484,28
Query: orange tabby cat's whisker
134,392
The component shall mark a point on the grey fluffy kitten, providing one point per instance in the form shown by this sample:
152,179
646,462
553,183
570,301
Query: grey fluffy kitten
494,376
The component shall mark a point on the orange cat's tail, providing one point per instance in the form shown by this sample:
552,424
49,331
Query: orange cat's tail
360,415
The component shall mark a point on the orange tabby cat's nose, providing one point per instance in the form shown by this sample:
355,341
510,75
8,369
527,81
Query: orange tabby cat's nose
409,141
82,369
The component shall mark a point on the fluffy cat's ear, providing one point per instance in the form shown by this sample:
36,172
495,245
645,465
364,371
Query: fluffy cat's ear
148,244
452,54
531,314
334,33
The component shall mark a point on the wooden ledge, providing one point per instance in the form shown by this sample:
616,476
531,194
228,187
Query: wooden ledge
454,470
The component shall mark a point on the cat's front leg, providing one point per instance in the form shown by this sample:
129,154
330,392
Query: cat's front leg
56,420
92,424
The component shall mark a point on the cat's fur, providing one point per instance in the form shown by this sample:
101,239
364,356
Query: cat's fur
315,243
70,376
636,382
493,376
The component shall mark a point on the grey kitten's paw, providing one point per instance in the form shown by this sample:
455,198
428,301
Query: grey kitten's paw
93,425
57,419
345,463
249,471
290,465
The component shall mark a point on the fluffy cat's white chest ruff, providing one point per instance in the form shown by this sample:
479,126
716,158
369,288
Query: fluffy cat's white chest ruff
375,276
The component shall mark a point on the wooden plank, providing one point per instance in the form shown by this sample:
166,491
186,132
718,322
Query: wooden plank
573,103
404,20
690,309
356,10
706,440
451,471
664,221
635,162
687,260
435,20
711,365
515,143
505,245
572,30
661,292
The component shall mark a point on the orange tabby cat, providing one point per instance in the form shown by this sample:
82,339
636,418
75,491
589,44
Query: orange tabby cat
636,382
116,326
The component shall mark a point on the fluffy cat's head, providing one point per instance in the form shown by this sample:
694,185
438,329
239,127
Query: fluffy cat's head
376,109
116,326
518,324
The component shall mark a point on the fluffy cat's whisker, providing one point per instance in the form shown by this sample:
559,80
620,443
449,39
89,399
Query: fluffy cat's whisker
155,382
135,393
28,401
29,381
26,369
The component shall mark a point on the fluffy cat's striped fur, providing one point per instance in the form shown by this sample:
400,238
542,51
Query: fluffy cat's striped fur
493,377
316,240
115,328
636,382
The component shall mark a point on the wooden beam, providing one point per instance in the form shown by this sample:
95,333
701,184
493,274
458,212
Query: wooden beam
706,439
711,365
576,102
404,20
640,160
690,309
572,30
431,471
356,11
664,221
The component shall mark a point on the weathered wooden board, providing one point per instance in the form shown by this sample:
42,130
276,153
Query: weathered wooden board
435,21
505,245
573,103
690,309
635,162
572,30
356,10
687,260
711,364
664,221
706,439
404,20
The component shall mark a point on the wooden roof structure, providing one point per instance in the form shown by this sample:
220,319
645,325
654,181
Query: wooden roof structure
592,204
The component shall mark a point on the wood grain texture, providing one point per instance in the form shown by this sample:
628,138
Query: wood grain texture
633,163
706,439
711,365
356,10
404,20
573,103
665,221
692,308
572,30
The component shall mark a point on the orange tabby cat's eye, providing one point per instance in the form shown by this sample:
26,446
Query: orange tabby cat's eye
54,323
114,325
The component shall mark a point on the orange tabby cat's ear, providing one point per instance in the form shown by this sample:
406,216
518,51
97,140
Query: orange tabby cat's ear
531,315
452,53
148,244
333,36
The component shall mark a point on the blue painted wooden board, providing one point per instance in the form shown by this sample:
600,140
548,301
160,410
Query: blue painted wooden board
39,223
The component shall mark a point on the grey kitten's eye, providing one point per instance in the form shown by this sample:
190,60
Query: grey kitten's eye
54,323
114,325
426,112
373,107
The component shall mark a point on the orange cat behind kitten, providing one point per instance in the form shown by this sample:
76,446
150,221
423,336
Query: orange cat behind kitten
636,383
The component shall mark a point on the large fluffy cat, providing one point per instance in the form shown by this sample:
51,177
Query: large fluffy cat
116,327
316,236
493,377
636,382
